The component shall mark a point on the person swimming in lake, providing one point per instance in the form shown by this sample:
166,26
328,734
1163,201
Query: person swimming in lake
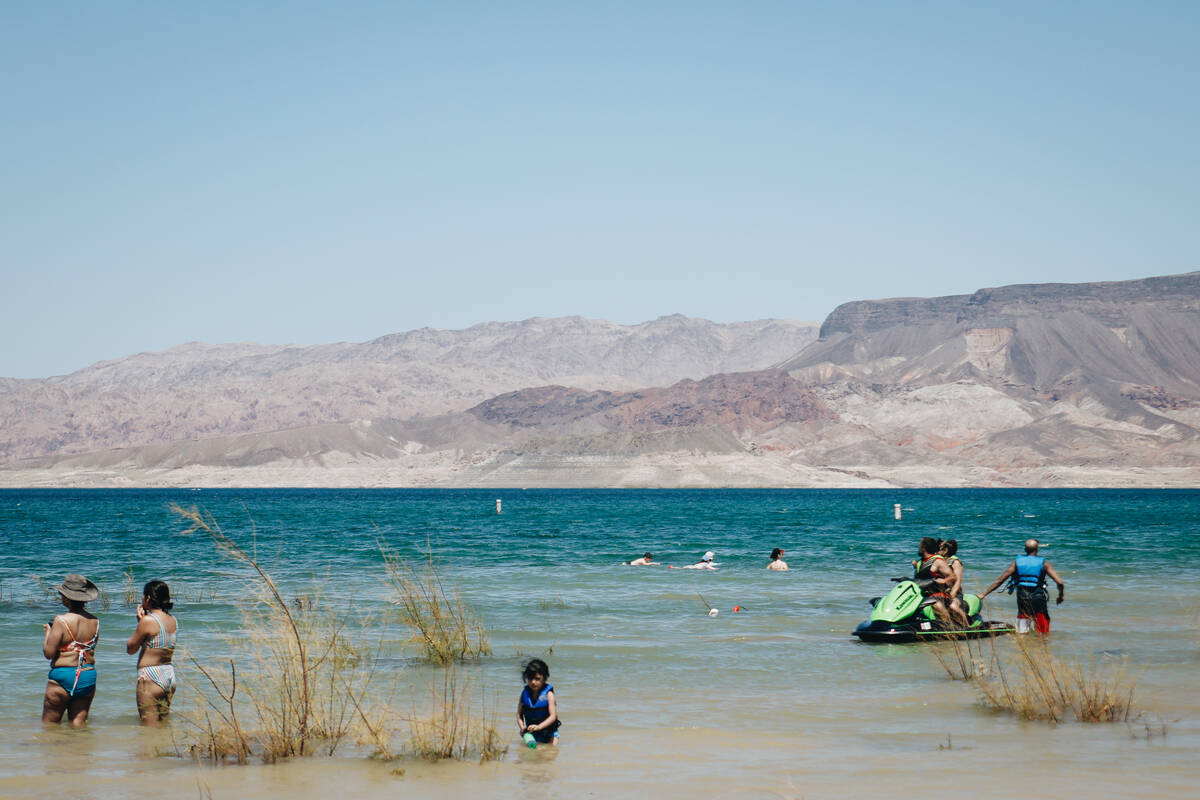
777,562
70,646
645,561
537,708
705,562
154,641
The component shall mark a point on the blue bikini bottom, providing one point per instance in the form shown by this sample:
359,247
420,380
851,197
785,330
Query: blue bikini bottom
66,678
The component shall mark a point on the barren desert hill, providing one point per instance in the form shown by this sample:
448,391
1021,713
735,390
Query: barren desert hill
1049,337
201,391
547,418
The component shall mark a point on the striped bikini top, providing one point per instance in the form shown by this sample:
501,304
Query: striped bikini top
162,640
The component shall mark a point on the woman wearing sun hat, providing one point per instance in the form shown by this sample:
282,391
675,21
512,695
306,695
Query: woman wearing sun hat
70,646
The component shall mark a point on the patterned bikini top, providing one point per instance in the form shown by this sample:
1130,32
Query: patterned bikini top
85,650
162,640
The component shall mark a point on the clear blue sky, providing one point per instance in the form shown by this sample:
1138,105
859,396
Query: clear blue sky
317,172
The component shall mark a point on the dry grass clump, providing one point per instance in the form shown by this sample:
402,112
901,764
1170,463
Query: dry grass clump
961,660
445,627
303,685
47,589
183,592
129,589
297,688
1038,684
453,728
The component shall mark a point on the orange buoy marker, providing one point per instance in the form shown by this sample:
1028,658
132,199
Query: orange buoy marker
737,609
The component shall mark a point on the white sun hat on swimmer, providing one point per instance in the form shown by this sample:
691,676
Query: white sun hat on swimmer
708,556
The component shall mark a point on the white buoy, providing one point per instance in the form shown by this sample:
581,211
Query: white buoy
712,612
498,511
895,509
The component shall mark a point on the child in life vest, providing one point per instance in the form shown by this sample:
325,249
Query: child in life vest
537,709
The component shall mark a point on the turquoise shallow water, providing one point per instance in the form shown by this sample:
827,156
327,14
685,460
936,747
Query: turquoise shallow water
776,696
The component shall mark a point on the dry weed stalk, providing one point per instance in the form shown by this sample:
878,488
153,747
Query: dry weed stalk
308,677
963,662
47,589
1041,685
452,729
129,587
442,623
223,737
191,593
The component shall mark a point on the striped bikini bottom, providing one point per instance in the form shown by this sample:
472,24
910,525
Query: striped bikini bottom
162,674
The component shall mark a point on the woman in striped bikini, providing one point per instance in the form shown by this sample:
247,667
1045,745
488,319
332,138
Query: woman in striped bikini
154,637
70,645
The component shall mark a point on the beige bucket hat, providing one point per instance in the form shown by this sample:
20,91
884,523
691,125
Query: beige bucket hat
77,587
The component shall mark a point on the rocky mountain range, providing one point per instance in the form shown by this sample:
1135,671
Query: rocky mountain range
199,391
1034,385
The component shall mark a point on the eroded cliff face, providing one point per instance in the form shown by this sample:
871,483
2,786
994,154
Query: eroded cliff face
987,349
1108,302
1054,338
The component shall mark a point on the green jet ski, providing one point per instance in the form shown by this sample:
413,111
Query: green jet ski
905,615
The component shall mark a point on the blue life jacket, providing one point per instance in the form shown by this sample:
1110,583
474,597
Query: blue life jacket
533,711
1031,571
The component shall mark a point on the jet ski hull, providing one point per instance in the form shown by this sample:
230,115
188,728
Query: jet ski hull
882,631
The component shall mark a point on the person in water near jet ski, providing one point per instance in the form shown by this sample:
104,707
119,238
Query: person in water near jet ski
949,551
935,577
1030,572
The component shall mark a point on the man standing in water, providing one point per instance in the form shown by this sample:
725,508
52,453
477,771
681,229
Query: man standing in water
1030,572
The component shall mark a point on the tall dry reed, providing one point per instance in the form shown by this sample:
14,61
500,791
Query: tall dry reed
959,657
455,726
129,588
446,627
1033,682
298,687
48,589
